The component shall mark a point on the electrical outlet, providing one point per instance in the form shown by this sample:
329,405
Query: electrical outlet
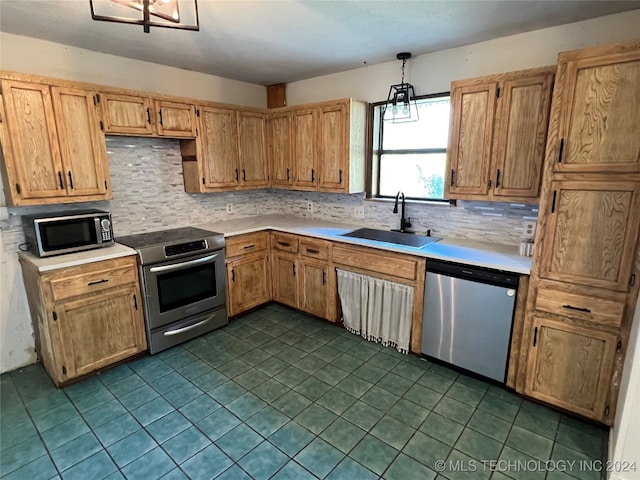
310,207
358,212
528,229
229,207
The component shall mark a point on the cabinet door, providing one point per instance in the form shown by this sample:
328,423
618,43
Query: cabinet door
99,330
82,143
333,155
570,367
304,149
34,141
591,233
126,114
285,278
282,171
314,287
220,145
175,119
520,136
470,136
600,115
252,149
248,282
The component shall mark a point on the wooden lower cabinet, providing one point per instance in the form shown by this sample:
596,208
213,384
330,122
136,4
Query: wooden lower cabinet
248,282
316,287
285,282
96,322
570,366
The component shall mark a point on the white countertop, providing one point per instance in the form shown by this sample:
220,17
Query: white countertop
468,252
80,258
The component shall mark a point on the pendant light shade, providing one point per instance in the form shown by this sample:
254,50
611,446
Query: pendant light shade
401,102
180,14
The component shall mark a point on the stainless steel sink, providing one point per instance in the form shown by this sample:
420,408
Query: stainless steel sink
397,238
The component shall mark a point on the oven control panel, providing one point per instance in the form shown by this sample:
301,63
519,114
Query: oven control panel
187,247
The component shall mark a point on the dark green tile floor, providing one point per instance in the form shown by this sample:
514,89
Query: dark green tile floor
281,395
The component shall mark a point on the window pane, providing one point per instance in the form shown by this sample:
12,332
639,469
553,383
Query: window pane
430,131
417,175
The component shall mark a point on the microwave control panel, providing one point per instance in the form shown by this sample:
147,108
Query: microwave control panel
105,228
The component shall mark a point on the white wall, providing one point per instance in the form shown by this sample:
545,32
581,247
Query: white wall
30,55
433,73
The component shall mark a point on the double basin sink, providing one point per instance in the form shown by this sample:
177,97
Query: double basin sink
396,238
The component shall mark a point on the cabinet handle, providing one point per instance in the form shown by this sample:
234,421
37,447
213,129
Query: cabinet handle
104,280
249,246
560,150
579,309
632,280
236,174
553,202
244,175
498,179
160,113
313,250
535,336
233,275
59,180
288,174
148,116
135,301
294,269
324,278
313,175
453,176
70,180
284,244
339,176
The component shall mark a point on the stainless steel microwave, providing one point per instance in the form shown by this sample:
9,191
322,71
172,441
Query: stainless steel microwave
68,232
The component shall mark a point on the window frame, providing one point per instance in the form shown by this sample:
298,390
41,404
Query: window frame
374,152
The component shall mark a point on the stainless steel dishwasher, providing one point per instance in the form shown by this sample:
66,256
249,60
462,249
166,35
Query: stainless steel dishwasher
468,317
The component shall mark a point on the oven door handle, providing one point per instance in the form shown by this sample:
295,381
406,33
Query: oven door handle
177,266
178,331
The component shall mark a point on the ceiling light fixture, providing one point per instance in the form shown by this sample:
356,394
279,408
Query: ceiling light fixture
181,14
401,102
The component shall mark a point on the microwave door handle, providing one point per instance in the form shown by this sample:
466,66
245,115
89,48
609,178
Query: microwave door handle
178,266
96,222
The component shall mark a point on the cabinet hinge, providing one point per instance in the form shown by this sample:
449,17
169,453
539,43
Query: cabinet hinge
632,280
619,346
489,185
55,316
197,112
203,180
101,125
18,189
606,411
498,92
98,97
64,370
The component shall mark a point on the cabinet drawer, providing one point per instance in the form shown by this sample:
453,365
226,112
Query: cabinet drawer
398,265
314,248
284,242
107,275
242,244
580,305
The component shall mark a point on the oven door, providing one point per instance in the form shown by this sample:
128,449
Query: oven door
176,289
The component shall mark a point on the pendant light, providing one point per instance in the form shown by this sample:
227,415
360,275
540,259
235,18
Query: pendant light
401,102
180,14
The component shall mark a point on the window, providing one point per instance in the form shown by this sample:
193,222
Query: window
411,157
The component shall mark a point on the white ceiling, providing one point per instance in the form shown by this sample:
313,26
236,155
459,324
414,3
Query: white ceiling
273,41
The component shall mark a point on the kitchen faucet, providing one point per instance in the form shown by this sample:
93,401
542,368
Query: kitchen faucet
405,223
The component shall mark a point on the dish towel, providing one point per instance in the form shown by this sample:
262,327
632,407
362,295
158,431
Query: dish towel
378,310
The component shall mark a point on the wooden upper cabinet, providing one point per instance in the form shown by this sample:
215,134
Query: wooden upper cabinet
571,367
126,114
333,148
600,112
252,151
281,160
471,133
34,157
591,232
175,119
220,145
82,143
520,133
497,136
304,148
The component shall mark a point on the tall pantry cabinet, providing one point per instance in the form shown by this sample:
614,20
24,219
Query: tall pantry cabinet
586,268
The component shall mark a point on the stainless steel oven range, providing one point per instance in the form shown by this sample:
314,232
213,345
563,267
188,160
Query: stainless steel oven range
183,283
